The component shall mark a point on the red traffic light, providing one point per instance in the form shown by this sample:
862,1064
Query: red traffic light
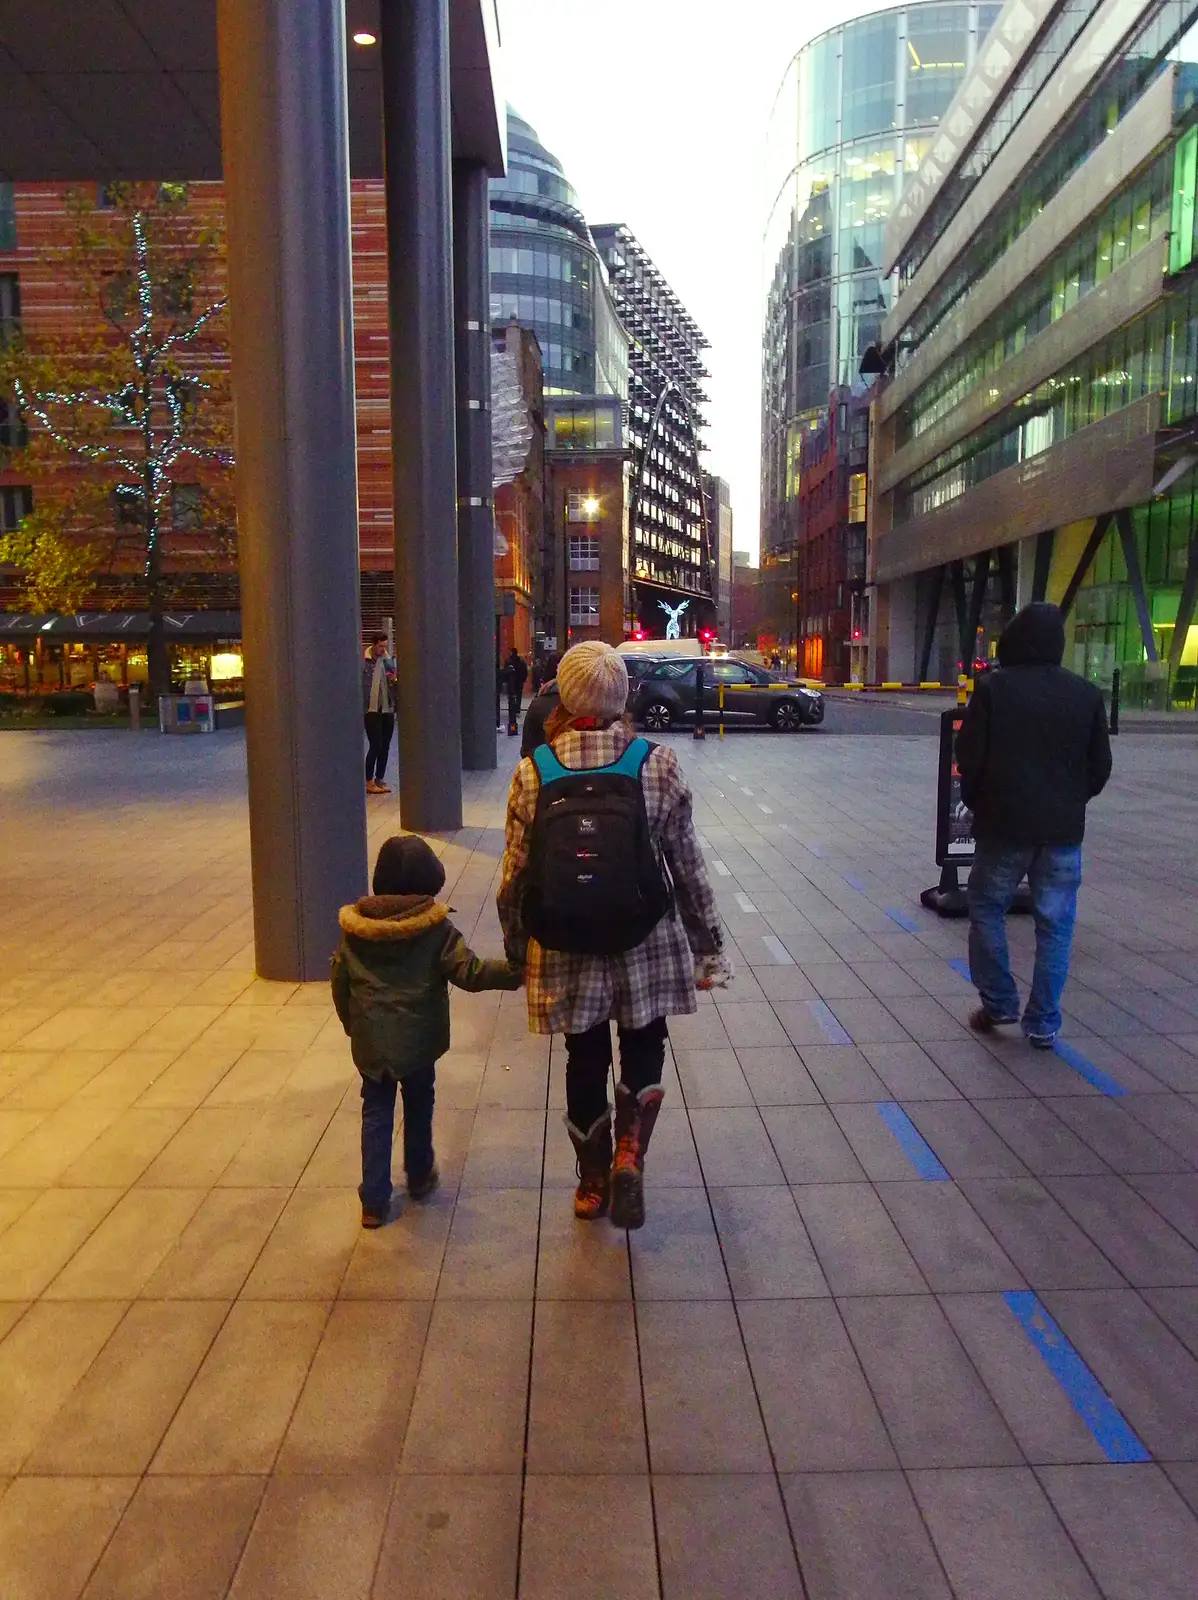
856,633
706,635
639,633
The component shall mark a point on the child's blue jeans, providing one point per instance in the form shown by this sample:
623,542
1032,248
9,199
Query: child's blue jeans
418,1091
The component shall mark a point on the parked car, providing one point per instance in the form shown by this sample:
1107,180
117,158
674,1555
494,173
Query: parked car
665,696
547,700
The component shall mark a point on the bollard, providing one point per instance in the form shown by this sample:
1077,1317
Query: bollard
1116,685
721,710
700,730
134,708
962,689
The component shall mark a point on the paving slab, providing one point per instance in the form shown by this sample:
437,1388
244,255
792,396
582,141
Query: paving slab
802,1376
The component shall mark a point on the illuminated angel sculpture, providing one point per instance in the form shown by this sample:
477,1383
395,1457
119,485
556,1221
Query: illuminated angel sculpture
674,625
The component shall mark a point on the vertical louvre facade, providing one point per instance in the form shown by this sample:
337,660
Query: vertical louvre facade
671,547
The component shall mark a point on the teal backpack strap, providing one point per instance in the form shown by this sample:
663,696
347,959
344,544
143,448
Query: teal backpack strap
630,763
547,765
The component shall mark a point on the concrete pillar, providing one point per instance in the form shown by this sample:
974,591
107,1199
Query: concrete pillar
286,168
414,36
1025,571
902,662
476,537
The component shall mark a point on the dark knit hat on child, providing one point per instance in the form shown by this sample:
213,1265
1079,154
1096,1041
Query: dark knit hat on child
407,866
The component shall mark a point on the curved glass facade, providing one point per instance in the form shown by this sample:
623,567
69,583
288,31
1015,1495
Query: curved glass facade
546,272
856,112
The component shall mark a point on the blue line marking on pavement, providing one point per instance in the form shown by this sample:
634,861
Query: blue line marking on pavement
824,1015
914,1146
854,883
903,920
1090,1400
1087,1070
961,967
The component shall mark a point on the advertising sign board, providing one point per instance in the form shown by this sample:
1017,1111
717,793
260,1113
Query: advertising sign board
954,819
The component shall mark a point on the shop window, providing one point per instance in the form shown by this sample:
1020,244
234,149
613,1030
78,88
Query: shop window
584,608
584,552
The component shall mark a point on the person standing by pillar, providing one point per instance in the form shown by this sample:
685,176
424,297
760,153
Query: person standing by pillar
1032,752
378,712
517,673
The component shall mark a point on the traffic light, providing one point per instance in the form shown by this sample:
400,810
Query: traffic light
706,635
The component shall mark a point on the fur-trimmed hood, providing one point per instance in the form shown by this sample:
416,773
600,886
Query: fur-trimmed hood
382,918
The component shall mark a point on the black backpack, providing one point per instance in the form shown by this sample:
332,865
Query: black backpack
595,884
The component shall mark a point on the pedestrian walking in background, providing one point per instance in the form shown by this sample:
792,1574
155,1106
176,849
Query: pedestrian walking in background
540,709
399,953
517,673
378,712
1032,751
605,902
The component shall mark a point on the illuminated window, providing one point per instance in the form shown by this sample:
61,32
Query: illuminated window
582,506
857,497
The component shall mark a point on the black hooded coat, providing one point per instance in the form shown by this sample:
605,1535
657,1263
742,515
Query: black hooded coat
1033,746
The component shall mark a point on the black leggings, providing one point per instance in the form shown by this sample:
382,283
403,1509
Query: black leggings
379,727
588,1059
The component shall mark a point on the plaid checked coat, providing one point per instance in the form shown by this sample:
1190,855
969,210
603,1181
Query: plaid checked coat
569,993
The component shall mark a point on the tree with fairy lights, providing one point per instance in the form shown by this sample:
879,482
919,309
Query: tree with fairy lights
124,397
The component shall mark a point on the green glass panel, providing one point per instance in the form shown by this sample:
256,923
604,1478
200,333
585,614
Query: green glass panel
1185,170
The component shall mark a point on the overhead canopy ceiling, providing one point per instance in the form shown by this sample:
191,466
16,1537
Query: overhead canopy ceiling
110,89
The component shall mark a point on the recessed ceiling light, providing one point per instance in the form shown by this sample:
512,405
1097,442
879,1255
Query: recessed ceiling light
364,38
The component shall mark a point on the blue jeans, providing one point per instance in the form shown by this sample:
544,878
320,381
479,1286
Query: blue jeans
1054,873
418,1090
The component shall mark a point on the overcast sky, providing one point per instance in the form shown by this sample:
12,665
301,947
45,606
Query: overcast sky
657,111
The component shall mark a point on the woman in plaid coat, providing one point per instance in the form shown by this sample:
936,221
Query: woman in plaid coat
581,995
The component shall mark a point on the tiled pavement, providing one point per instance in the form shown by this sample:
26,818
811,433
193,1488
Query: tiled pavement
912,1316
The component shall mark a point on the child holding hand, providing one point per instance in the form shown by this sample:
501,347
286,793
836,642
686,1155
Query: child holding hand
398,955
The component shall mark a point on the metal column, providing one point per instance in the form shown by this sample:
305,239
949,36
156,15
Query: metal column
476,538
416,135
286,172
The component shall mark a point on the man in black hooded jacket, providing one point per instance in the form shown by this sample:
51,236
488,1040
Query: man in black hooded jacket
1032,751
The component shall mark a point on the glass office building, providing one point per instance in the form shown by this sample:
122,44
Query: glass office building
857,113
546,273
1035,435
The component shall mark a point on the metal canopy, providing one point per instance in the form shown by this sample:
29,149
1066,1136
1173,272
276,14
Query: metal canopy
128,89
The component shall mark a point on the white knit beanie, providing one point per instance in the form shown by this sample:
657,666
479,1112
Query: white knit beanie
593,681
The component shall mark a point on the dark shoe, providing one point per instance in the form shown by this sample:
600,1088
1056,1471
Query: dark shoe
421,1188
1041,1041
593,1151
636,1116
982,1021
377,1219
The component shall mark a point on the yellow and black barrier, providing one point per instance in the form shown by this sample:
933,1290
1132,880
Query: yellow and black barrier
895,688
